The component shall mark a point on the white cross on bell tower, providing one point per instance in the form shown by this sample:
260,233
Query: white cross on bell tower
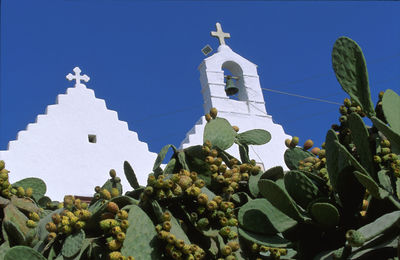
220,34
78,77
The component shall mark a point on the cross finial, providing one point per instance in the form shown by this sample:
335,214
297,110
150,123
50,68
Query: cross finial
220,34
78,77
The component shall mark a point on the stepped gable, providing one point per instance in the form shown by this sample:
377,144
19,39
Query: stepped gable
246,109
74,145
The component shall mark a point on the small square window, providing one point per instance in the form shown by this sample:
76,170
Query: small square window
92,139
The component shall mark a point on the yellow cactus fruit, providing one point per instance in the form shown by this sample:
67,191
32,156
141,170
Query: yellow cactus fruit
235,128
208,117
56,218
212,205
105,224
114,192
287,143
85,214
234,245
308,144
115,255
116,230
122,214
315,150
51,236
185,181
121,236
31,224
199,183
124,224
114,245
69,200
113,173
2,165
20,192
226,250
130,258
112,207
79,225
171,238
51,227
84,205
66,229
29,192
202,198
34,216
294,142
105,194
213,112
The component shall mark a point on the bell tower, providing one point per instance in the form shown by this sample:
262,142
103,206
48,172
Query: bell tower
226,65
225,73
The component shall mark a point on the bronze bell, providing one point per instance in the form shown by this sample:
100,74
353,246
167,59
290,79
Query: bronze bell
230,87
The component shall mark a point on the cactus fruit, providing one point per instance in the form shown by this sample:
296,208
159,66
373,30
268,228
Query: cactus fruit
213,112
294,142
308,144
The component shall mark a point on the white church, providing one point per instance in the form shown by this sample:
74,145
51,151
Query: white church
78,140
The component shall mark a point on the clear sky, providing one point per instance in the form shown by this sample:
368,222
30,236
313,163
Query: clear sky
142,57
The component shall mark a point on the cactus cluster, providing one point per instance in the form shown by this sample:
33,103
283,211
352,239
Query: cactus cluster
337,201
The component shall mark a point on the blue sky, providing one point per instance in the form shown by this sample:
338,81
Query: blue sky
142,57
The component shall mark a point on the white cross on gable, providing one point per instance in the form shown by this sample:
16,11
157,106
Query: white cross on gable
78,77
220,34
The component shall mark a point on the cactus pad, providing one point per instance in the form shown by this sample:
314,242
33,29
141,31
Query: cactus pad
72,244
220,133
390,106
254,137
141,238
38,186
294,155
130,175
351,71
260,216
266,240
300,188
325,214
23,252
279,199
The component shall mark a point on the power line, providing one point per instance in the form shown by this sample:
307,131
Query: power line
300,96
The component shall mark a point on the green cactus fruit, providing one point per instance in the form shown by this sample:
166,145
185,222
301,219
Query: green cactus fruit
213,112
113,173
166,226
2,165
122,214
355,238
203,223
308,144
